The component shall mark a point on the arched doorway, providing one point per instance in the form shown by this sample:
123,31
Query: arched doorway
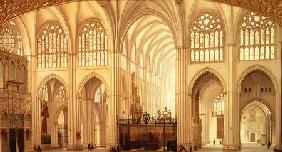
94,112
257,98
52,96
255,126
207,111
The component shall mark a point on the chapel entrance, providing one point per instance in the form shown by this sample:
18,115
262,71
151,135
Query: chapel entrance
207,111
257,97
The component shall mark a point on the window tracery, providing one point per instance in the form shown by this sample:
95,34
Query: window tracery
52,46
207,39
11,40
93,45
60,94
257,37
44,93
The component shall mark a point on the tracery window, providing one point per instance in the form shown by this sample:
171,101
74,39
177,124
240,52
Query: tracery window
207,39
218,106
52,46
10,39
257,37
44,93
60,94
93,45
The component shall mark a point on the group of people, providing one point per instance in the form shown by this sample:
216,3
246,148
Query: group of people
90,146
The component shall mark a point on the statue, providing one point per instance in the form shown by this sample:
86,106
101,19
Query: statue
45,115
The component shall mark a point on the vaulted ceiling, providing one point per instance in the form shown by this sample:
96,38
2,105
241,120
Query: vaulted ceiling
12,8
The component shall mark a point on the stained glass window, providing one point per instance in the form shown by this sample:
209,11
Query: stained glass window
207,39
257,37
92,45
52,47
10,39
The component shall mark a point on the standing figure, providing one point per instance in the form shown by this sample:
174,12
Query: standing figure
45,115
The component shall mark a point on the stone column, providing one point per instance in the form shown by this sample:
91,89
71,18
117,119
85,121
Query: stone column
74,123
231,103
55,135
115,98
278,121
36,106
183,99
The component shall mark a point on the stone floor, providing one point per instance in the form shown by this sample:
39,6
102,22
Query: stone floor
252,147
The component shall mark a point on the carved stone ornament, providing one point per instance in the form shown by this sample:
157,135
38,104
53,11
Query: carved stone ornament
11,8
271,8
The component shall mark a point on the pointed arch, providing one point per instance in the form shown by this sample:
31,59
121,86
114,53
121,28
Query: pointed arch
53,76
260,68
201,72
86,79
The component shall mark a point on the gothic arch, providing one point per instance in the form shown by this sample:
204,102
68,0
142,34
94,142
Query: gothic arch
201,72
53,76
86,79
40,29
260,68
257,99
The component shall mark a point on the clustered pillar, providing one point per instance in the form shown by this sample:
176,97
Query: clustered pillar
183,99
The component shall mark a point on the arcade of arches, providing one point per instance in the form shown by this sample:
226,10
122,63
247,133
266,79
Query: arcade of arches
71,73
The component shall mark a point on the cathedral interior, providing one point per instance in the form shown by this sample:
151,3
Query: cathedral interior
148,75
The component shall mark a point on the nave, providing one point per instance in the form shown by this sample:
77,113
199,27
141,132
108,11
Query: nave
140,75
